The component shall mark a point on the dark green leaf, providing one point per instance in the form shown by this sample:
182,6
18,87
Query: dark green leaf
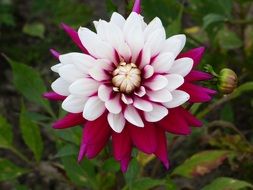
6,135
10,171
132,172
147,183
227,113
201,163
67,150
228,39
248,86
31,134
212,19
110,6
110,165
34,29
29,82
225,183
73,134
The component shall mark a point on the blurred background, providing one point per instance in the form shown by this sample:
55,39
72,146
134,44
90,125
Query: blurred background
218,156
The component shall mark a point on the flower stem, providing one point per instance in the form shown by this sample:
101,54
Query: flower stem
20,155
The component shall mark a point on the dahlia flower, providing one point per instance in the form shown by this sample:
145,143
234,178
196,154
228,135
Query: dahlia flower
129,85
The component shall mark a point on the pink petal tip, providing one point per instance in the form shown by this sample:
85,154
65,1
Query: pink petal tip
137,6
55,53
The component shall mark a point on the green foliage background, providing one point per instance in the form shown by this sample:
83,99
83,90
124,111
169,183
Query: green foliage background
218,156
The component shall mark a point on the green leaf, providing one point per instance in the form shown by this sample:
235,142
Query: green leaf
6,135
229,39
201,163
248,86
110,6
81,174
31,134
9,170
212,19
110,165
132,172
175,26
72,135
227,113
21,187
34,29
147,183
29,83
226,183
67,150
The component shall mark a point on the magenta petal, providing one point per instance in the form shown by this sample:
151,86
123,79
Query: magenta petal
95,136
124,163
161,151
55,53
122,145
175,123
197,76
54,96
197,93
196,54
191,119
74,36
137,6
144,138
70,120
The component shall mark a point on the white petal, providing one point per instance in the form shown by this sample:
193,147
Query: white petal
157,83
61,87
70,73
116,121
182,66
174,44
110,33
133,34
158,113
74,104
84,87
56,67
163,62
80,60
174,81
155,41
143,105
141,92
132,116
179,98
93,108
98,71
113,105
148,71
146,56
160,96
126,99
95,46
118,20
104,92
124,51
152,26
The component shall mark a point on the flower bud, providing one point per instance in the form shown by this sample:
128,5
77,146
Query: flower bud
227,81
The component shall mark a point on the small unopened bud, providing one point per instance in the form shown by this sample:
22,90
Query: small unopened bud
227,81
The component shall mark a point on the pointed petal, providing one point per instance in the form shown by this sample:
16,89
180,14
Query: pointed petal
70,120
182,66
53,96
70,73
124,163
137,6
95,136
113,105
174,44
198,76
84,87
155,24
144,138
157,82
55,53
116,121
155,41
179,97
175,123
61,87
104,92
74,36
142,104
118,20
161,150
163,62
93,108
158,113
195,54
174,81
74,104
148,71
163,95
132,116
191,119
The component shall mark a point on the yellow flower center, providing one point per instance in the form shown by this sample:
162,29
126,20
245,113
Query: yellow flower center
126,78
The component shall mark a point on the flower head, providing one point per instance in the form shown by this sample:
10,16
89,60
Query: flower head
129,84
